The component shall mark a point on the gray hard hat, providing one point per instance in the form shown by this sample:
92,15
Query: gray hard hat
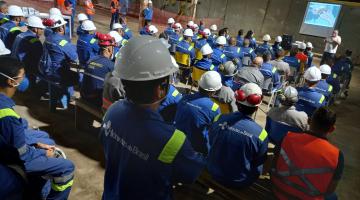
144,58
228,69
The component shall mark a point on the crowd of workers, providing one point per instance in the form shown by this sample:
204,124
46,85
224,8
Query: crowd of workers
166,137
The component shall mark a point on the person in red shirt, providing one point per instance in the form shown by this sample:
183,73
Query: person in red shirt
302,56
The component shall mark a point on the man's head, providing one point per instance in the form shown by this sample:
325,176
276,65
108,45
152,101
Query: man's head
241,32
12,75
309,46
221,41
233,41
150,4
188,34
206,51
213,28
312,76
82,17
35,25
335,33
248,98
266,38
210,83
348,53
322,122
118,28
177,27
107,42
266,56
57,24
293,52
325,71
289,97
153,30
16,14
301,47
228,69
171,21
249,34
246,42
258,61
278,39
3,7
88,26
280,54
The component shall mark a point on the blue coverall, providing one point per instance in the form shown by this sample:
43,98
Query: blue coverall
239,41
186,48
168,107
334,81
144,31
34,161
169,31
200,43
174,40
270,71
8,33
238,147
80,31
54,65
3,18
292,61
194,116
248,55
144,155
148,14
205,64
276,48
309,100
87,47
263,48
310,56
127,32
253,44
218,57
324,88
212,41
234,53
227,81
94,75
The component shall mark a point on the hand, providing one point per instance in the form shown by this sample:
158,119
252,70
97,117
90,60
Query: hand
50,153
45,146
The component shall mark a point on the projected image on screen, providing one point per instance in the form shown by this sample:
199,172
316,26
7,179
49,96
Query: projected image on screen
320,19
322,14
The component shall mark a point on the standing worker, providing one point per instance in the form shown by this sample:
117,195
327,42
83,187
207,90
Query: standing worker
124,6
309,53
196,112
169,29
331,45
143,149
10,29
148,12
81,18
89,9
87,44
212,38
114,9
238,145
306,165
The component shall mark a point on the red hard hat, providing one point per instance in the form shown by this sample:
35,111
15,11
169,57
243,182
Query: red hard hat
105,39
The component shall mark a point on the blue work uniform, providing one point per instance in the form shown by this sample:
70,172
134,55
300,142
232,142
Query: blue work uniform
253,43
196,37
276,48
16,150
324,88
227,81
292,61
144,155
94,75
310,56
3,18
80,31
211,40
169,31
238,147
148,14
248,55
124,5
127,32
185,48
55,66
205,64
233,53
47,32
239,41
28,49
334,81
194,117
269,71
87,47
218,57
200,43
168,107
309,100
263,48
174,40
8,33
144,31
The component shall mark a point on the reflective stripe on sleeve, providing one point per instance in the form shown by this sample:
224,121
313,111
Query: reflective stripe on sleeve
334,75
60,188
222,56
214,107
175,93
13,29
190,48
322,99
33,40
273,70
63,179
63,43
172,147
126,30
263,135
212,67
238,50
217,117
22,150
8,112
92,41
330,88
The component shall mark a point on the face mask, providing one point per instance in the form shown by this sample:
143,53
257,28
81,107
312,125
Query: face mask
23,86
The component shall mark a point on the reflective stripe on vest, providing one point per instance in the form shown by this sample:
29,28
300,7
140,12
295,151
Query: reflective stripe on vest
212,67
175,93
214,107
106,103
60,188
190,48
13,29
8,112
330,88
334,75
63,43
263,135
172,147
222,56
238,50
92,41
273,70
322,99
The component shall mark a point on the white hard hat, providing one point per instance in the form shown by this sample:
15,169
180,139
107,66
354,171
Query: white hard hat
190,24
150,2
188,32
291,94
171,20
207,32
309,45
213,27
177,26
3,49
313,74
266,38
249,95
210,81
88,26
325,69
117,26
116,36
278,39
82,17
59,21
221,40
36,22
206,49
153,29
195,26
54,11
15,11
302,45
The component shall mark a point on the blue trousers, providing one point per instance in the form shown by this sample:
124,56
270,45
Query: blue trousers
60,94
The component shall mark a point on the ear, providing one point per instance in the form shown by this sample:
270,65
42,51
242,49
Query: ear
159,92
11,83
332,129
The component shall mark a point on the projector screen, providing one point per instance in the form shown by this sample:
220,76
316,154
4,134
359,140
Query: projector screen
320,19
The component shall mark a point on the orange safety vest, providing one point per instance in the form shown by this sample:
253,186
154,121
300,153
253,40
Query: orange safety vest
89,7
66,10
116,6
305,167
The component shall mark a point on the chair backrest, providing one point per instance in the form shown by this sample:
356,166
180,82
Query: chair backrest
197,73
278,130
198,54
182,58
224,107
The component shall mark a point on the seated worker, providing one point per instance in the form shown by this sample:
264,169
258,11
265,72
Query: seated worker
281,66
87,45
81,18
309,98
168,107
52,11
226,94
276,47
149,30
300,55
240,38
233,52
293,62
248,53
3,12
169,30
10,29
250,36
212,38
324,87
196,112
238,145
127,32
271,77
287,112
175,38
264,47
206,62
249,74
309,53
184,45
307,166
202,40
96,70
38,161
218,57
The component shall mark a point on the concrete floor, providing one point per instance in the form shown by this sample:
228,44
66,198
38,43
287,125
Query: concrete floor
83,147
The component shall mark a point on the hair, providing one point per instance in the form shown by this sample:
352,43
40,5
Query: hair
266,56
311,83
249,34
322,120
293,52
142,92
348,52
246,110
280,53
324,76
121,20
241,32
10,67
57,29
222,32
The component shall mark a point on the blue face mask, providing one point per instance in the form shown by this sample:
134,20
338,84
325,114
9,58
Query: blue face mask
24,85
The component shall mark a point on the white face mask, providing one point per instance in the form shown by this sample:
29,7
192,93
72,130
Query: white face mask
17,83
